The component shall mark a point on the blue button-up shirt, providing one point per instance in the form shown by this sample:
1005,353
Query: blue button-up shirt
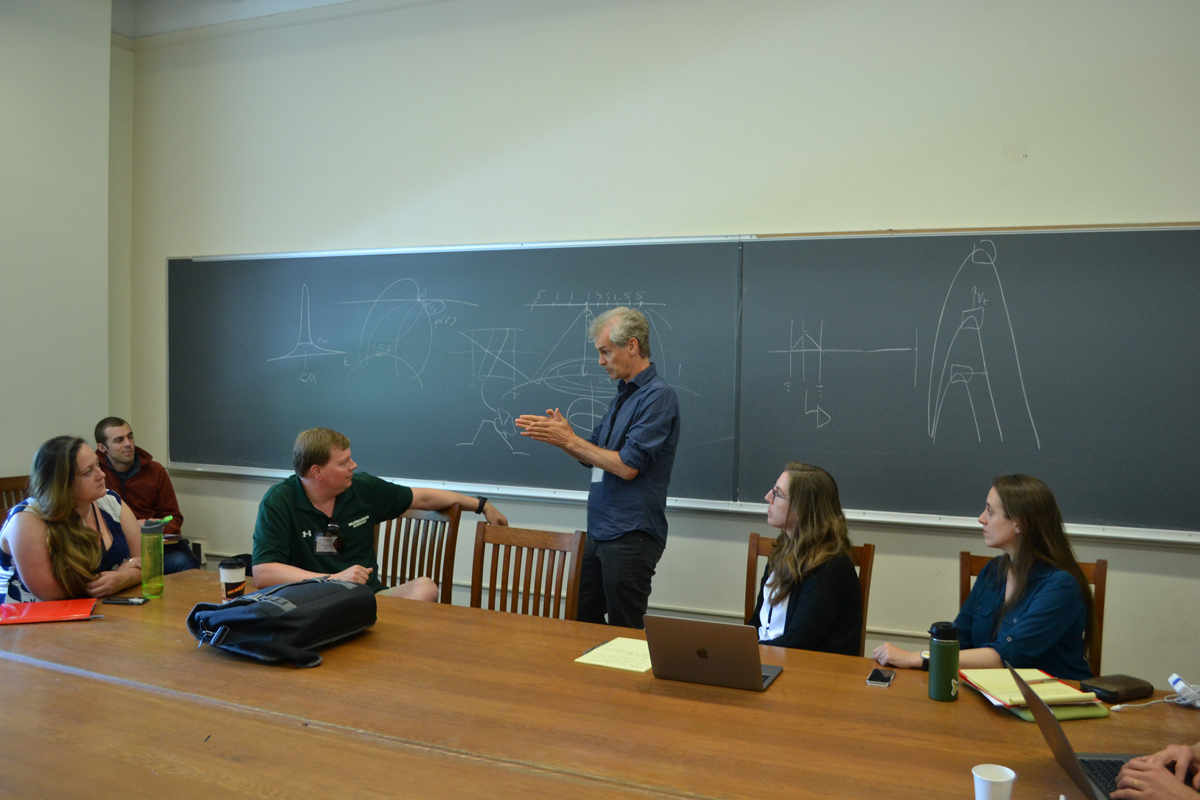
642,425
1044,630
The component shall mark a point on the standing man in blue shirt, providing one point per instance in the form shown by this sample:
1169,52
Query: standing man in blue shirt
631,453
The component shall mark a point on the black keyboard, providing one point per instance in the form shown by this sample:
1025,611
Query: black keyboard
1104,772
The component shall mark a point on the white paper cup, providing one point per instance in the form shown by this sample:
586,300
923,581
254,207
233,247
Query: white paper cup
233,578
993,782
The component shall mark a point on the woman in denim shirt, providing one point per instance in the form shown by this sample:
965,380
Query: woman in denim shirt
1030,606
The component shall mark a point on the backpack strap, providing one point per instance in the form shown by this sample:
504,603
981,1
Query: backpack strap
265,649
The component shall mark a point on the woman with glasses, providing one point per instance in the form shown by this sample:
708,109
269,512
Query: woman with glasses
72,537
810,596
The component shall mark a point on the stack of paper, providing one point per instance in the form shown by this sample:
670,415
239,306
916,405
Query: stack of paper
632,655
998,686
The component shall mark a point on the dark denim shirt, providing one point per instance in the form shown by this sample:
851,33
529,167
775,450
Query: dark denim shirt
1043,631
645,433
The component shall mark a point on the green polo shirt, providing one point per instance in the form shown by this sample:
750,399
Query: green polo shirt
288,525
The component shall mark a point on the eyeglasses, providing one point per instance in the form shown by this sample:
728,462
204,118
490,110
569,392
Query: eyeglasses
776,494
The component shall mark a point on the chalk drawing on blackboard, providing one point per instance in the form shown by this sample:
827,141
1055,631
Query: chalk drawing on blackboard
305,347
966,336
821,414
590,306
569,368
399,329
494,360
811,352
580,377
494,371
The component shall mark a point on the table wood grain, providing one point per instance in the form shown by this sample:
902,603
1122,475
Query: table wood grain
502,689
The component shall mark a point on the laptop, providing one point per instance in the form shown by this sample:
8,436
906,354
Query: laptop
715,653
1094,773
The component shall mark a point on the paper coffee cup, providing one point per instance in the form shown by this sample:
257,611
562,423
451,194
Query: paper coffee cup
233,577
993,782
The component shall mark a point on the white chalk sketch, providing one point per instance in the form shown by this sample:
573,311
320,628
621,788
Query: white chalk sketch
569,369
811,351
493,361
398,331
975,361
305,347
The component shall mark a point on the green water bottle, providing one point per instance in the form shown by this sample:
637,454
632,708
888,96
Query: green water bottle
152,558
943,661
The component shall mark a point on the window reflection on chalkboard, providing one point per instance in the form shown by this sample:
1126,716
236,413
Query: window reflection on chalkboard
305,347
975,342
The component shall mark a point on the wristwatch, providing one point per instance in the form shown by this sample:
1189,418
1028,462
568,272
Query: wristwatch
482,502
925,660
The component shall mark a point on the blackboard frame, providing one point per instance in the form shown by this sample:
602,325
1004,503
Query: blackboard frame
745,504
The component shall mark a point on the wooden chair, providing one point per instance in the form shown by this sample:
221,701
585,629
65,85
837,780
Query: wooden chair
863,557
12,491
419,544
1096,573
527,570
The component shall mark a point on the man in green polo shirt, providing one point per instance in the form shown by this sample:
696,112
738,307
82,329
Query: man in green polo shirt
293,539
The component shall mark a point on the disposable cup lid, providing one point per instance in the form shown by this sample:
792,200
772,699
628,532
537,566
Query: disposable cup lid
233,563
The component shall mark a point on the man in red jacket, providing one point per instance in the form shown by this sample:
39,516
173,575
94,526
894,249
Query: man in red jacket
144,485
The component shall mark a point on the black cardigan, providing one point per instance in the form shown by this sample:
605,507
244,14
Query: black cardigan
824,612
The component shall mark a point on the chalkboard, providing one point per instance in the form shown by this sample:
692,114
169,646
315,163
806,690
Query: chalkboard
916,368
424,358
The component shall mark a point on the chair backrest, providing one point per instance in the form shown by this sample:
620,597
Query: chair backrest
527,570
419,544
1096,574
12,491
863,557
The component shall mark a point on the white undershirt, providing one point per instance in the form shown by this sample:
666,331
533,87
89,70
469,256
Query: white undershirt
772,617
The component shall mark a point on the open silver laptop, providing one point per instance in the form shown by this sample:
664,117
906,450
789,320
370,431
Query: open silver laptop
715,653
1094,773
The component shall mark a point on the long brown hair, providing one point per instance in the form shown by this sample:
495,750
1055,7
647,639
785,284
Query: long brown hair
75,549
1029,503
816,528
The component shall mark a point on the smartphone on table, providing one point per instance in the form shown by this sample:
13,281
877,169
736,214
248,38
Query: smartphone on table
881,677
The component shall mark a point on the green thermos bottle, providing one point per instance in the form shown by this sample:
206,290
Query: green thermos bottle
943,661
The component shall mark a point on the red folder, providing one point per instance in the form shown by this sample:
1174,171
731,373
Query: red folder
48,611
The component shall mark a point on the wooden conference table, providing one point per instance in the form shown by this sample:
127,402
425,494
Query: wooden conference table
445,701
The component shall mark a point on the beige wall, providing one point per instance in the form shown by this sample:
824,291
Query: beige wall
120,228
473,121
54,58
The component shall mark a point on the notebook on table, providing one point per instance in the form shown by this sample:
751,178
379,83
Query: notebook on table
715,653
47,611
1094,773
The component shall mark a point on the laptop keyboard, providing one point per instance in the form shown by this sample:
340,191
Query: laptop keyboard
1103,771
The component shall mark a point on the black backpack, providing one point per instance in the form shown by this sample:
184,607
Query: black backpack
286,622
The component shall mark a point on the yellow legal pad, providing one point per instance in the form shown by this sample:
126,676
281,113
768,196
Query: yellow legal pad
624,653
999,687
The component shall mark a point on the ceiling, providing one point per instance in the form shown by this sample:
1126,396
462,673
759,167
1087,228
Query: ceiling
137,18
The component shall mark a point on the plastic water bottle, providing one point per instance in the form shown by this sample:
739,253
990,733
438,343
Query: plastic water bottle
943,661
152,559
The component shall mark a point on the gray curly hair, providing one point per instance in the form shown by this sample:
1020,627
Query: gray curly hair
627,324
